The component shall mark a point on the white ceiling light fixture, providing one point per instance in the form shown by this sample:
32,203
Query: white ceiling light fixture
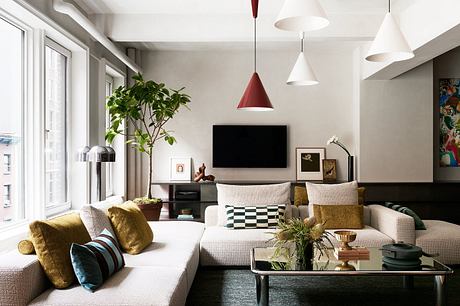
302,74
301,16
389,44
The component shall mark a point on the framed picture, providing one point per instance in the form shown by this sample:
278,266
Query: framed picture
180,169
329,170
449,129
309,163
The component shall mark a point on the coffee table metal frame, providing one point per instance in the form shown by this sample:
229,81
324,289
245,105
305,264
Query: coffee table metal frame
262,278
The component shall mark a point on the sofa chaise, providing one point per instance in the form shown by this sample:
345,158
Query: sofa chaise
161,275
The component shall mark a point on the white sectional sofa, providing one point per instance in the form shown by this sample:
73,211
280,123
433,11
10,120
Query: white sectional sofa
161,275
221,246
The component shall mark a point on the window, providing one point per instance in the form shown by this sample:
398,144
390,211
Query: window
6,196
56,95
6,163
108,166
11,121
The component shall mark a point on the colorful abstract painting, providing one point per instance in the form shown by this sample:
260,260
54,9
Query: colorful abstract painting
449,116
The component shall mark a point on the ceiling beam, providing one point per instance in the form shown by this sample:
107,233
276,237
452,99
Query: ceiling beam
233,28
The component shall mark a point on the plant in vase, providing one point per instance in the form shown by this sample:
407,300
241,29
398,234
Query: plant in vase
296,238
335,140
147,106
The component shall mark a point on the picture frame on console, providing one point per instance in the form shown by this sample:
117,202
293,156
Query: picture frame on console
309,163
180,169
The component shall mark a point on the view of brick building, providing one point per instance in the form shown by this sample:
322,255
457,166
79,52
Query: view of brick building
8,201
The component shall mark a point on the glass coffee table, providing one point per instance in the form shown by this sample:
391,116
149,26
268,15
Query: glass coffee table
262,259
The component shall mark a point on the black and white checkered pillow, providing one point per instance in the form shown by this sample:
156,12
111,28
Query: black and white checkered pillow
239,217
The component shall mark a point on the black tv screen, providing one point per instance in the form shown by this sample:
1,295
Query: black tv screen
249,146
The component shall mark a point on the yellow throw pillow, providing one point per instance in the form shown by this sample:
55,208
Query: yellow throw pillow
361,194
52,240
26,247
339,216
133,232
300,196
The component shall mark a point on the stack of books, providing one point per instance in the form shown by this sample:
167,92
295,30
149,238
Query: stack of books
357,253
185,217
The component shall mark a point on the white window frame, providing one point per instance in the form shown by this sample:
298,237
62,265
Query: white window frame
36,26
21,213
109,190
60,207
119,175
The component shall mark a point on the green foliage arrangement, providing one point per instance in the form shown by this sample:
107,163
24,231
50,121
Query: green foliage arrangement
148,106
303,234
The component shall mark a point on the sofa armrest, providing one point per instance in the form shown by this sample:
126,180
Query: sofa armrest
396,225
210,215
21,279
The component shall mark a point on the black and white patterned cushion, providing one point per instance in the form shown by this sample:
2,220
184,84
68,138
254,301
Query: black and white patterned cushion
240,217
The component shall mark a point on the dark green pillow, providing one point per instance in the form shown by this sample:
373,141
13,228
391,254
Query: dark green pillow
419,225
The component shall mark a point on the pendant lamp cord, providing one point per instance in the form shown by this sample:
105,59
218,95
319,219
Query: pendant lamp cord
301,43
389,6
255,45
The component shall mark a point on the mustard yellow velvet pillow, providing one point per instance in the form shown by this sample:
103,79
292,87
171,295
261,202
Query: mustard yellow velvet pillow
52,240
26,247
339,216
361,194
129,224
300,195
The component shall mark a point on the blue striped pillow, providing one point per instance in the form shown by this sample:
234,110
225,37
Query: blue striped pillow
96,261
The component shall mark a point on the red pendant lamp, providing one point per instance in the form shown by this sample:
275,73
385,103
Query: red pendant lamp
255,98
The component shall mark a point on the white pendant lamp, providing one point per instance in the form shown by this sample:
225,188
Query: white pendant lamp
302,74
389,44
301,16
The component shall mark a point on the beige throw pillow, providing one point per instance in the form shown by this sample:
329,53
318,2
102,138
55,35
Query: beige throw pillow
331,194
95,220
252,195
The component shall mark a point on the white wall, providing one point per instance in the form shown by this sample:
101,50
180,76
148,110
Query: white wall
216,80
396,128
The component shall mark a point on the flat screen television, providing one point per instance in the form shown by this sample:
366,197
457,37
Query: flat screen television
249,146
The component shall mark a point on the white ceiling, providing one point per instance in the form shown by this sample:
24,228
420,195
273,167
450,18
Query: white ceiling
192,7
211,24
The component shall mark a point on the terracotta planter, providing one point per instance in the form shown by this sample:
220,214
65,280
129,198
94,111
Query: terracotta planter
151,211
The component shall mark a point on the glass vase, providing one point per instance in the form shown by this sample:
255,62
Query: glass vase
304,254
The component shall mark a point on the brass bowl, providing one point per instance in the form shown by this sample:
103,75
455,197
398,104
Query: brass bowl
345,237
345,266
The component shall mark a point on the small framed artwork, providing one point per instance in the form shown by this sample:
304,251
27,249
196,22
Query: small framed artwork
180,169
329,170
309,164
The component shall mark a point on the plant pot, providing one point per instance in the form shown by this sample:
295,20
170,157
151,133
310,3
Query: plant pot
151,211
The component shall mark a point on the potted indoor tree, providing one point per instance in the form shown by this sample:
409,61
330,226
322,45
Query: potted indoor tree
147,106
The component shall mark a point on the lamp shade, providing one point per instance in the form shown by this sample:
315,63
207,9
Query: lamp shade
302,73
389,44
301,16
82,154
98,154
255,98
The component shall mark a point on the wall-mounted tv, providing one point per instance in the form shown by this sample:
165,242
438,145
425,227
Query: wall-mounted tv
249,146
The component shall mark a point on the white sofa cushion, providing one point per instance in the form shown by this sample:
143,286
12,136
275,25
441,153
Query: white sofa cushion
176,244
130,286
221,246
366,237
440,237
252,195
